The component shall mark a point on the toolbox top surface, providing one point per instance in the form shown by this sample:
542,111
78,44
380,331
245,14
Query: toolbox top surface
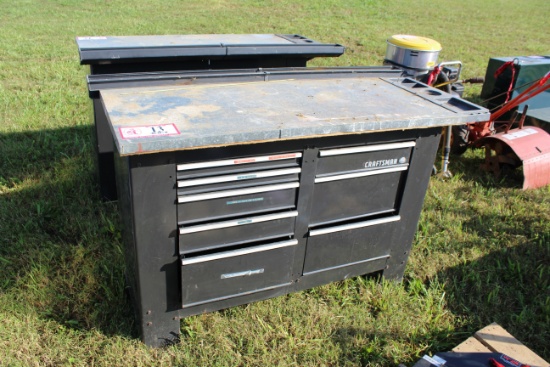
189,116
131,48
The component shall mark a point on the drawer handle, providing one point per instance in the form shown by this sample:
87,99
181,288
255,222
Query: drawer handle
243,176
223,194
240,222
346,227
236,161
348,176
246,273
241,252
366,148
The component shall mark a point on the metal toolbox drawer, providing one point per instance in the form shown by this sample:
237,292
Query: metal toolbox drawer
234,273
238,180
355,195
352,159
237,165
355,182
333,247
231,203
242,230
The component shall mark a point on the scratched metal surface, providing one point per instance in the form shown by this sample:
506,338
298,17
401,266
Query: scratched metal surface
116,42
238,113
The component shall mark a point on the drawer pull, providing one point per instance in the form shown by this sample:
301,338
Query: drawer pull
246,273
240,222
229,178
383,257
366,148
240,252
362,174
232,162
222,194
345,227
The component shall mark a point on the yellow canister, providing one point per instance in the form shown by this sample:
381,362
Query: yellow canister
412,52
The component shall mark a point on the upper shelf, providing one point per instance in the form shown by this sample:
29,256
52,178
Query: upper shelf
128,49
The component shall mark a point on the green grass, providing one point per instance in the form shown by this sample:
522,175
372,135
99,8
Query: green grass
481,254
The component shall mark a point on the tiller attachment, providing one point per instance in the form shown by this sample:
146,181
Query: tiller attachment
529,146
511,148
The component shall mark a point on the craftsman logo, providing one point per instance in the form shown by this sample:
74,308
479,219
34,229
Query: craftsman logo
138,132
385,162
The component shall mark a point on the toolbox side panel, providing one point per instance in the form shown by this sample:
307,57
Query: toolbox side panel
127,229
412,200
104,146
152,182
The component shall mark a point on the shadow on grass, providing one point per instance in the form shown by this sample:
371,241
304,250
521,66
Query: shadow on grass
499,256
511,287
470,165
371,352
61,250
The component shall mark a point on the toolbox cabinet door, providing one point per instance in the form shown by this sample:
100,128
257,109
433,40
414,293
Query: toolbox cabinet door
338,246
243,230
229,274
359,181
239,202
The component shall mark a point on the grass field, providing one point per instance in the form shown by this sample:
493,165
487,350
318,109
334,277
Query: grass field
481,254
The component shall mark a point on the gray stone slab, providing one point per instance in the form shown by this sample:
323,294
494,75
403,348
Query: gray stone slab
145,120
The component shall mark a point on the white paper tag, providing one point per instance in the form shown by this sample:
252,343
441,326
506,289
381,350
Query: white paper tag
440,360
435,360
138,132
90,38
519,134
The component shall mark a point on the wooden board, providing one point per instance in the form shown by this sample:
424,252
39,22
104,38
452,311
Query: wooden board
471,345
493,338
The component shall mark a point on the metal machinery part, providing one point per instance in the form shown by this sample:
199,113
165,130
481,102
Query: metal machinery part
507,77
415,55
241,185
528,147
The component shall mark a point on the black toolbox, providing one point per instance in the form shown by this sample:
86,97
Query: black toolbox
241,185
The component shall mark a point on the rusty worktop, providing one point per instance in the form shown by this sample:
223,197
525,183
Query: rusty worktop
166,118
